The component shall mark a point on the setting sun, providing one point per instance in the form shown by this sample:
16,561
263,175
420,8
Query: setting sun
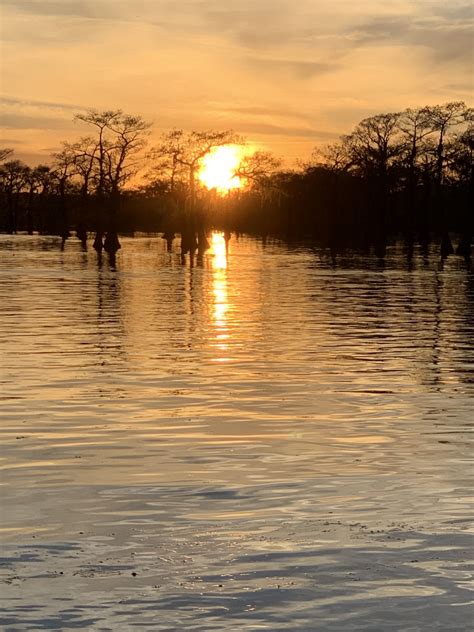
218,169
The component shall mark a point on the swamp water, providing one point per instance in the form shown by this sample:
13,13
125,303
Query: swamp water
270,440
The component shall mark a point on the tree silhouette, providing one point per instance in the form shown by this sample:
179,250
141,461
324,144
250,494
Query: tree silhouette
442,118
258,167
113,155
409,172
13,178
336,157
259,171
184,150
180,150
37,180
83,154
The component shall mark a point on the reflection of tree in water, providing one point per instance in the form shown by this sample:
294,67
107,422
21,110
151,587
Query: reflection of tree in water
169,238
189,305
451,307
466,328
414,321
204,296
432,368
110,330
111,260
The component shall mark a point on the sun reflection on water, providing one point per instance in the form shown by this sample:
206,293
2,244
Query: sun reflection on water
218,253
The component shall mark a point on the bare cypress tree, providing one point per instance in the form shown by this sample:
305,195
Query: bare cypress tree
113,153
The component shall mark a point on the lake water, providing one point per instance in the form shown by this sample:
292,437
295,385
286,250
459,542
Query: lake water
269,440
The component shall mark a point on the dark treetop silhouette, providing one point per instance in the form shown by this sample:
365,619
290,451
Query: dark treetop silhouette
406,173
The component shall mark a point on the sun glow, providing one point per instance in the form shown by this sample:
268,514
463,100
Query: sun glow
218,169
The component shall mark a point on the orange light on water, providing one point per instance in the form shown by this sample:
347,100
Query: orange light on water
220,294
219,251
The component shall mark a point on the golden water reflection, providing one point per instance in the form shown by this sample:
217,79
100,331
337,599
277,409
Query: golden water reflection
260,417
218,253
264,365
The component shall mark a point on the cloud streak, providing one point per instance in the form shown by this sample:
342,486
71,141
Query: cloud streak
16,102
446,41
300,69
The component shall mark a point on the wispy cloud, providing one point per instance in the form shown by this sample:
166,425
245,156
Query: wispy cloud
15,101
69,8
447,39
282,130
8,142
24,121
300,69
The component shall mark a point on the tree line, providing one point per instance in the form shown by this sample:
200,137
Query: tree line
404,174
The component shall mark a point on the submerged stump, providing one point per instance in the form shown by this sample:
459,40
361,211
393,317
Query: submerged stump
98,241
111,242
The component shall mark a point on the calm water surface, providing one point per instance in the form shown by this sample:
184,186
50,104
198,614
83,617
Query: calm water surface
268,440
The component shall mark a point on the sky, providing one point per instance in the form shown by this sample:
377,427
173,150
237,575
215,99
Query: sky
287,74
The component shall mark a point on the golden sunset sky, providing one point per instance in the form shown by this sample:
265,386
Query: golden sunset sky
287,74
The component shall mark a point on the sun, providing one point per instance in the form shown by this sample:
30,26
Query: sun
218,169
